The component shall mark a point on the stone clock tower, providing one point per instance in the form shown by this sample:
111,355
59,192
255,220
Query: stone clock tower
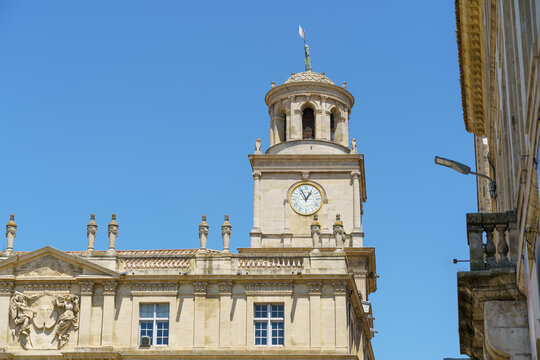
309,179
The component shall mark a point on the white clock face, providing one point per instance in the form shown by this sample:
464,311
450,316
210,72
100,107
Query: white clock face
306,199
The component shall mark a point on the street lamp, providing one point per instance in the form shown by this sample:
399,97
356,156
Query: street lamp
465,170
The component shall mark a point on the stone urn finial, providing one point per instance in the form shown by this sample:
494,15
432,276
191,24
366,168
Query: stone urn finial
11,232
203,233
113,234
315,232
91,231
226,233
339,234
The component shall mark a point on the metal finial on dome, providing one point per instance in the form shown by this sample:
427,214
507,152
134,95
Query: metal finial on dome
307,60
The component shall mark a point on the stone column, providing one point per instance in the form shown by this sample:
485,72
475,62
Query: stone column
6,289
288,122
315,321
344,128
85,314
11,232
273,131
109,292
199,290
323,126
225,293
340,299
256,201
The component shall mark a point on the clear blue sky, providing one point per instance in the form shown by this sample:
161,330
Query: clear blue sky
149,108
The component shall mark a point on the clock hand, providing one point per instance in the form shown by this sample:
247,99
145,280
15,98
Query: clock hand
307,197
303,195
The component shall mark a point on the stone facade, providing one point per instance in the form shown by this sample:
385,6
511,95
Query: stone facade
500,83
301,290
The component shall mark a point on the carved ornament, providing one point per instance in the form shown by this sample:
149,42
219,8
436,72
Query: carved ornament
41,320
109,287
154,289
199,287
6,287
340,287
269,288
225,287
315,287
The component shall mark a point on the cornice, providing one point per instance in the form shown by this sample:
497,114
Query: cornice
300,88
471,53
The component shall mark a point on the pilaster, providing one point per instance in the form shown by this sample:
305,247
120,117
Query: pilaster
6,289
87,289
109,293
225,292
199,290
315,322
340,296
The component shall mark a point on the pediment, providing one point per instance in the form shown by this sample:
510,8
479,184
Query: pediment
47,263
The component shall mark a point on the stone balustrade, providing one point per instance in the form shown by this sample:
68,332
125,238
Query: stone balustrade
492,240
275,262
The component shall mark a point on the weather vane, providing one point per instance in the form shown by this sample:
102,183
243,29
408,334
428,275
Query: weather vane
307,60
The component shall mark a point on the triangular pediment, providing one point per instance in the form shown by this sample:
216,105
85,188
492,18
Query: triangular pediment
48,262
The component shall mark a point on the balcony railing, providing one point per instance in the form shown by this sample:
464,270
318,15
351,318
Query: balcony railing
492,240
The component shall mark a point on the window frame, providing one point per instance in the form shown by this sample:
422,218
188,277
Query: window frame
155,320
269,320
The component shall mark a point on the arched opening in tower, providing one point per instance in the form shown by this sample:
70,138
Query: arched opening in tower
332,127
308,124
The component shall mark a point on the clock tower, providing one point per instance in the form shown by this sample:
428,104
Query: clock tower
310,178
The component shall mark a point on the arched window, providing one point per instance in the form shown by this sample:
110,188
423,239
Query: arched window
284,137
332,127
308,124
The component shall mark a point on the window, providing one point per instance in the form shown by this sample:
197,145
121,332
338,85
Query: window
154,323
308,124
268,324
332,128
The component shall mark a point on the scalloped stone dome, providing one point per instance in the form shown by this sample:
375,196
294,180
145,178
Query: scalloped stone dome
309,76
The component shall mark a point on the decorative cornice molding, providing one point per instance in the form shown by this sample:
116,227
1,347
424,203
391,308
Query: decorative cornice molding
154,288
470,35
269,288
54,287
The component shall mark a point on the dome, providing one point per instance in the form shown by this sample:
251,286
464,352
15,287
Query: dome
309,76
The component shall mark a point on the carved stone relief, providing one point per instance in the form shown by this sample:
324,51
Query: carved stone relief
44,320
48,266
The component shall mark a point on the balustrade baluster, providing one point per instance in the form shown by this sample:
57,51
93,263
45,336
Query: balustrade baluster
490,245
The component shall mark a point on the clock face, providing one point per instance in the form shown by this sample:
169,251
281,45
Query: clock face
306,199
